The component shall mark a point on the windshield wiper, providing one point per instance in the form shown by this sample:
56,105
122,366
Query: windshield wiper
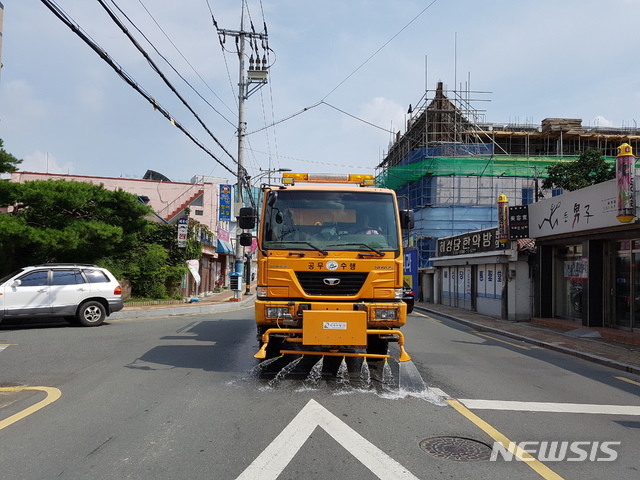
382,254
323,252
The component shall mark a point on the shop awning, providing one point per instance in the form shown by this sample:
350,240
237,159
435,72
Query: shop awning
224,247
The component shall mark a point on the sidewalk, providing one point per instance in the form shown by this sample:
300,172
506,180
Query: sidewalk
216,302
621,350
614,348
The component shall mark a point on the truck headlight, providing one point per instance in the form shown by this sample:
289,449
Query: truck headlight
261,292
398,293
277,312
386,313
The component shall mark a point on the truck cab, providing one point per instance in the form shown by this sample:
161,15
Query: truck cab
330,267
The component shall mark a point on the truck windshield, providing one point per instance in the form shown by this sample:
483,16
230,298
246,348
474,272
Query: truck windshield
330,220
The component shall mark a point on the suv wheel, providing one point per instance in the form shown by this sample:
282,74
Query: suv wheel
91,314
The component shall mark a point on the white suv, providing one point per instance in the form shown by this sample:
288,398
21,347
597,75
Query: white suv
82,294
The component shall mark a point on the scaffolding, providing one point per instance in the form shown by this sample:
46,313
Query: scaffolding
452,165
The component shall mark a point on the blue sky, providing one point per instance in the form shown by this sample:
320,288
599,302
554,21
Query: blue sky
64,110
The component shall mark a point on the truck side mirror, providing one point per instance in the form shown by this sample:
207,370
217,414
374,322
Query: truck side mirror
406,219
246,239
247,218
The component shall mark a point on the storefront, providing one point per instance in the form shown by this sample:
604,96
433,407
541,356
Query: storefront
474,271
588,261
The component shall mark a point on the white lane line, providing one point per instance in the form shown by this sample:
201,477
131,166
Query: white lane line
274,459
550,407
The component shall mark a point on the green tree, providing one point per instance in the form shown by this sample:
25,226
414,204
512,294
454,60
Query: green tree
590,168
8,163
79,222
65,221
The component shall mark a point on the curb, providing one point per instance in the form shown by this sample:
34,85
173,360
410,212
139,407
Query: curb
186,310
569,351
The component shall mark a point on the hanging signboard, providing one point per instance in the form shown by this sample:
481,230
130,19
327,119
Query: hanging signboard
471,242
183,230
518,222
225,203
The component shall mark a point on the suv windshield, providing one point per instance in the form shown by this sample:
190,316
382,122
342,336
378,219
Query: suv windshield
330,220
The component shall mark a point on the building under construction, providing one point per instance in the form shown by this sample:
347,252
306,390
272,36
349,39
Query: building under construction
452,165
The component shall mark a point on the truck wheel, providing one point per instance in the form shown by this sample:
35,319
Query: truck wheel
377,345
91,314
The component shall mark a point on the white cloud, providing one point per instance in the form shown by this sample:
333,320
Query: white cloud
384,113
20,103
44,163
91,98
600,121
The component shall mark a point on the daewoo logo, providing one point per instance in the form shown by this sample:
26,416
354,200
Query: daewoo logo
331,281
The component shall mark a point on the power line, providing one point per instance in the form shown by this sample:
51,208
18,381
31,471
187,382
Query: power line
306,109
183,57
379,49
356,118
75,28
344,81
155,67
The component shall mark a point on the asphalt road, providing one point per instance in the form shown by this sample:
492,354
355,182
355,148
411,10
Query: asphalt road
182,397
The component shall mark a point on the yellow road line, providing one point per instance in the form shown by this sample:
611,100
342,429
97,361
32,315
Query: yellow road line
426,316
628,381
53,394
503,341
539,467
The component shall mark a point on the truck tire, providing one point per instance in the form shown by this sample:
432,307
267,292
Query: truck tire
91,314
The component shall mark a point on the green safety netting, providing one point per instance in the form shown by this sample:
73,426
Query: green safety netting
484,166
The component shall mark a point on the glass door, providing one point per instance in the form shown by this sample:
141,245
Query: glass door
570,271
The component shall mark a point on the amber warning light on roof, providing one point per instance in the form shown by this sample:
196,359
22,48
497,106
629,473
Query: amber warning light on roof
363,180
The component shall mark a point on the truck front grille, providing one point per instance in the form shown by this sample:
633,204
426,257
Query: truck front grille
331,283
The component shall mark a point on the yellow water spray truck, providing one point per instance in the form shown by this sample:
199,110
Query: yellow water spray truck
330,266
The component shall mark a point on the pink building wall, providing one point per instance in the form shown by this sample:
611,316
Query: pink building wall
168,199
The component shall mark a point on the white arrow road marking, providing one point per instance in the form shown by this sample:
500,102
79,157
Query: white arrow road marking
274,459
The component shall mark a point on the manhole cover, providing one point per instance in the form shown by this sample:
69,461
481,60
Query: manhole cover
456,448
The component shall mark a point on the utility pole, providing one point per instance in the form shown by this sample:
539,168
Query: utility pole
255,78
